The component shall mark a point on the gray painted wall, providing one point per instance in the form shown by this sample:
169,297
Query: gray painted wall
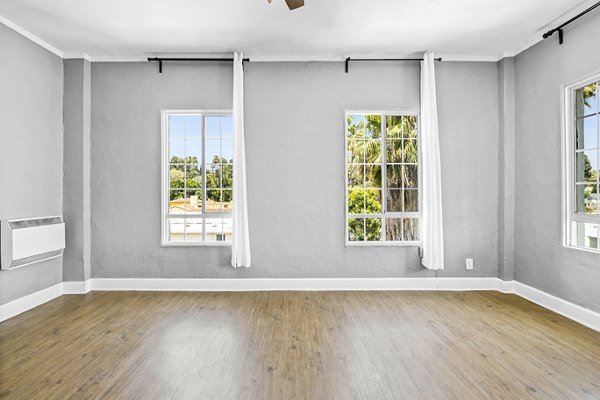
541,71
295,162
31,153
76,203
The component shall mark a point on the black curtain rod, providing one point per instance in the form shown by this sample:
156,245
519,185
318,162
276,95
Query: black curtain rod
383,59
161,59
559,28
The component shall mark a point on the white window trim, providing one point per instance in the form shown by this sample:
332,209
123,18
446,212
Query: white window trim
165,179
568,165
382,243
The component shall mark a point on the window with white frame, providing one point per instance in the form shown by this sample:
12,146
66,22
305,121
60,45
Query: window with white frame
197,165
382,178
583,159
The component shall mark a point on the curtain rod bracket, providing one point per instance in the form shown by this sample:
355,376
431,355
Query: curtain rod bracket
559,28
560,36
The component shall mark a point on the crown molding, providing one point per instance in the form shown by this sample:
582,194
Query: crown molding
119,58
295,59
36,39
445,57
535,40
144,57
72,55
468,58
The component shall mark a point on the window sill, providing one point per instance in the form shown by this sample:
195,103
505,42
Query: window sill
586,249
383,244
196,244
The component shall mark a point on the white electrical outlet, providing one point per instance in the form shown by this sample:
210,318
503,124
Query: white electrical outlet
469,263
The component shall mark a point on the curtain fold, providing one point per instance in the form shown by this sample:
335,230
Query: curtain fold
240,243
432,236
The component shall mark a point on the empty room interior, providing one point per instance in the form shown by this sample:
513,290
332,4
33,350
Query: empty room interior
300,199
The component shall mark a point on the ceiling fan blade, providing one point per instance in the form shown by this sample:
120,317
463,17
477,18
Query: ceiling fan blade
293,4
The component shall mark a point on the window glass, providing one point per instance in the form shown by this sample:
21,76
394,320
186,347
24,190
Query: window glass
199,171
382,178
584,217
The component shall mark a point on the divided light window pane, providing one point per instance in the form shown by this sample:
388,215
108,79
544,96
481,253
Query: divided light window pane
200,177
585,220
382,177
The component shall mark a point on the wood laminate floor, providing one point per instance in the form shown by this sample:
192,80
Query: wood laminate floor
296,345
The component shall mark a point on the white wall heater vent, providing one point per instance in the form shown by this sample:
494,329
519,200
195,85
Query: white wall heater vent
30,240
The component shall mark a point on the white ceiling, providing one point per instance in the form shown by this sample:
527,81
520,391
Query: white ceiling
466,29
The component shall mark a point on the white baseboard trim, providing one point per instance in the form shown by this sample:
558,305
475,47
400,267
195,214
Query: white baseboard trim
30,301
572,311
77,287
565,308
219,285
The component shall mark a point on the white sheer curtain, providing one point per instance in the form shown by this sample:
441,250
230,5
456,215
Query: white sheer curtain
240,243
432,235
